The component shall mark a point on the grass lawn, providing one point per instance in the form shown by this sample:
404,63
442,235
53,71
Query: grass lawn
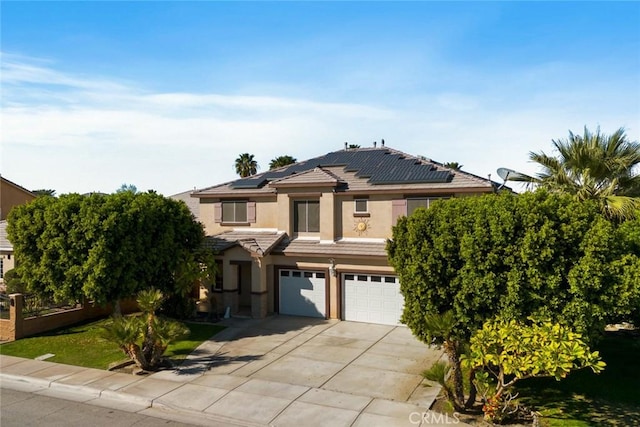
83,346
611,398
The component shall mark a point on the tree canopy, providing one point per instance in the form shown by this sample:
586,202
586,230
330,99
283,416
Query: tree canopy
246,165
537,253
594,166
127,187
103,247
280,161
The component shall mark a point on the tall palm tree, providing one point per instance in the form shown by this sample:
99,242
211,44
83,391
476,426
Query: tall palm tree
594,166
246,165
280,161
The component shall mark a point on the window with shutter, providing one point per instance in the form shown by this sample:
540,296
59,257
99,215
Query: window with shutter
398,209
217,212
251,212
235,211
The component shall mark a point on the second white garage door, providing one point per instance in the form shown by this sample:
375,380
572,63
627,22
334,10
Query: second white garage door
303,293
372,299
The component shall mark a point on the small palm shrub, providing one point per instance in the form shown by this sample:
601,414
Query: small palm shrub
145,338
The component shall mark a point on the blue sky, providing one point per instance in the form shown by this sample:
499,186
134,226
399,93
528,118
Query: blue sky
165,95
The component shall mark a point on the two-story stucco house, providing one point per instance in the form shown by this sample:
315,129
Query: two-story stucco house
309,239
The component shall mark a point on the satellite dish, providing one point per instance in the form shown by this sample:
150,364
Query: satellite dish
509,174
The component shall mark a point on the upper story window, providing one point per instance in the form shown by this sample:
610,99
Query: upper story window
360,206
235,212
306,216
422,202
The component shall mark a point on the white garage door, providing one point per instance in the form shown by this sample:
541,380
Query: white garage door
303,293
372,298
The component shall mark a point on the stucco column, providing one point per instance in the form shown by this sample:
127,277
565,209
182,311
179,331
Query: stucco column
284,213
259,288
15,315
327,216
334,297
230,286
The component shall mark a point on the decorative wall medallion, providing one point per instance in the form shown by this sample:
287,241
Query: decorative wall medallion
361,226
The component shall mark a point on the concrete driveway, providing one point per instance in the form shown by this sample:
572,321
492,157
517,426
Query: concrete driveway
334,358
280,371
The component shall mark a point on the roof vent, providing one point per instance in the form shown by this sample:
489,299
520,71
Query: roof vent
375,143
346,144
382,142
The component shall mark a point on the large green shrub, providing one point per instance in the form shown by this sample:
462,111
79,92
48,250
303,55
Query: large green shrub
469,260
535,254
105,247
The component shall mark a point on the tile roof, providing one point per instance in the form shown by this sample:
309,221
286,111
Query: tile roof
257,242
356,249
5,244
316,176
357,170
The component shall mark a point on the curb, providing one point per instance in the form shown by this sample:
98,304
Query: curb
39,382
71,388
125,397
171,412
192,413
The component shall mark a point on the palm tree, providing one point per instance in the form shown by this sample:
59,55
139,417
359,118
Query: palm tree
44,192
246,165
453,165
594,166
280,161
145,338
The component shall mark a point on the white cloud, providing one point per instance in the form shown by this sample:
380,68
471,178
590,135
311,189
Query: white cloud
80,133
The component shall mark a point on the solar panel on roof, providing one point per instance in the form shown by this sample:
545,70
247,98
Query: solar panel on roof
379,165
249,182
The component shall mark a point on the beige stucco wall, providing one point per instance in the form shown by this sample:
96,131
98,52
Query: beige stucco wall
378,223
266,215
337,219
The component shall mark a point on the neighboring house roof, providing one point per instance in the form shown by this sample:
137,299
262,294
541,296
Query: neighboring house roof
258,242
363,170
5,244
192,203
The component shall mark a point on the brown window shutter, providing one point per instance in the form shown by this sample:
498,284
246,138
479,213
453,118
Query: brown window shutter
251,212
217,212
398,209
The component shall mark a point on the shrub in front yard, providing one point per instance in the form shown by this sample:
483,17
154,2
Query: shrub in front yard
145,338
505,352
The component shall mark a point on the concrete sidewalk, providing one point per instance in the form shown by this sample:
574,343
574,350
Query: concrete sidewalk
275,372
